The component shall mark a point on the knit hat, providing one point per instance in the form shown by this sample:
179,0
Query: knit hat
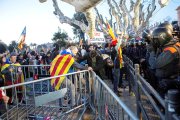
13,54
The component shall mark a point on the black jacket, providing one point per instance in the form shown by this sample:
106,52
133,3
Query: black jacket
167,63
99,62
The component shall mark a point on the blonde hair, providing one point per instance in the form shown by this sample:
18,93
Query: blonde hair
73,48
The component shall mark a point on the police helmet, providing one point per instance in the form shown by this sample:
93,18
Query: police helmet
146,35
131,42
139,42
161,36
166,25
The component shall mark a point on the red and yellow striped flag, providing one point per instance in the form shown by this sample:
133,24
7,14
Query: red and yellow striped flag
111,33
120,56
60,65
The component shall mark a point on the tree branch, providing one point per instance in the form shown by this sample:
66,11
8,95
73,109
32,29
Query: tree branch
124,9
136,15
117,7
126,15
131,6
150,12
116,15
65,19
141,14
100,21
110,22
97,24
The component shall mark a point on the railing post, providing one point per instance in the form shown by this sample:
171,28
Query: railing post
137,71
172,104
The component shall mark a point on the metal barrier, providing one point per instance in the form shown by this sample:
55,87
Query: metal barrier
49,104
30,71
108,104
80,90
150,105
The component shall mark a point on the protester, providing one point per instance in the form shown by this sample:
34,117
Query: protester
10,69
72,51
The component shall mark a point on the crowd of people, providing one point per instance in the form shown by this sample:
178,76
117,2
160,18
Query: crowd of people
157,52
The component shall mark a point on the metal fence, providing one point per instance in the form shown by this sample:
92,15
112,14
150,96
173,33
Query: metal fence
108,104
36,99
150,105
43,103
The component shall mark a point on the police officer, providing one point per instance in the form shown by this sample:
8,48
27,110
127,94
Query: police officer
167,61
147,63
146,35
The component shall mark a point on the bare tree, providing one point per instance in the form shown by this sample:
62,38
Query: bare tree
80,6
134,17
151,8
65,19
117,15
100,21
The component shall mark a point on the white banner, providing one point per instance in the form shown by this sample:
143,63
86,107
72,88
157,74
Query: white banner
98,37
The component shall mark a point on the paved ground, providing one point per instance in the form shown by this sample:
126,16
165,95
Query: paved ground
129,100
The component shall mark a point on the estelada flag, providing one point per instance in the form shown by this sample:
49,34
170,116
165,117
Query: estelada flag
111,33
59,66
22,39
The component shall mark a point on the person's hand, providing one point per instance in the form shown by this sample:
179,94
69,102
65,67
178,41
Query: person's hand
19,70
90,68
142,60
11,69
5,99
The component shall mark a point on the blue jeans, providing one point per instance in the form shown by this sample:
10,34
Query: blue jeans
116,76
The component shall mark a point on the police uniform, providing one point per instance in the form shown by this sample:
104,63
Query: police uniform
148,64
167,62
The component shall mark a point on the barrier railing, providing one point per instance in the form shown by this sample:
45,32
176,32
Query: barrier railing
30,71
27,103
37,99
108,104
150,105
